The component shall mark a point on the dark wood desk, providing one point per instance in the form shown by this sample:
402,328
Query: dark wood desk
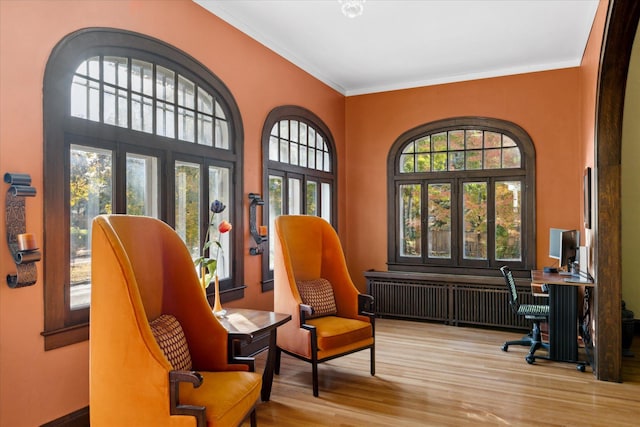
563,313
261,326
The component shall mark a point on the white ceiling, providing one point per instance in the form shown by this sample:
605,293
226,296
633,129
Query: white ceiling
397,44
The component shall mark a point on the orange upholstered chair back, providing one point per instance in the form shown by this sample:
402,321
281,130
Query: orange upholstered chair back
141,269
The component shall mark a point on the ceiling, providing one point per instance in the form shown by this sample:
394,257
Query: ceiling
397,44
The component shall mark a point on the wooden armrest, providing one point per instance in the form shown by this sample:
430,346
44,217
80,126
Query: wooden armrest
305,310
233,348
366,305
193,377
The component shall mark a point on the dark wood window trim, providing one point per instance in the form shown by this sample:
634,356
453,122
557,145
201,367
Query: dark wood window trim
526,173
285,170
63,326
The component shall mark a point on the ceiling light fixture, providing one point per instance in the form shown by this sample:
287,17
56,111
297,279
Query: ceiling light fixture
352,8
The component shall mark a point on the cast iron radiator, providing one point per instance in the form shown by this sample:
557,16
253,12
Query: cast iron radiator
452,299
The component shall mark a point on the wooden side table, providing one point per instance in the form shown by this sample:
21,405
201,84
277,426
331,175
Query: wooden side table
261,326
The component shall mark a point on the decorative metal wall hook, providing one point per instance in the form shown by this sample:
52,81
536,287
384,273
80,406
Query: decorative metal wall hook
21,244
258,234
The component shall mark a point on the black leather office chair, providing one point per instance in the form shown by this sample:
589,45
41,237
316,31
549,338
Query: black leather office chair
535,313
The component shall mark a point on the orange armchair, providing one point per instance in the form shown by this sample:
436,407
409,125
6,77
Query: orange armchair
309,267
142,273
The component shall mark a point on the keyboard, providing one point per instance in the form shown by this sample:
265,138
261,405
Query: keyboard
577,280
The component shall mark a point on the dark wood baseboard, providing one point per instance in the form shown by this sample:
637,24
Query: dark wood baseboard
79,418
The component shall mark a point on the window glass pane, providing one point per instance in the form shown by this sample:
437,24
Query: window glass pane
187,208
186,93
293,150
85,99
165,84
439,161
115,71
439,142
303,133
492,159
142,185
319,158
142,77
220,189
275,210
474,139
439,226
492,139
474,160
294,130
90,194
407,163
284,129
220,112
284,151
511,157
410,148
311,157
423,162
303,156
115,106
456,160
507,142
326,162
423,145
508,221
456,140
186,125
295,197
205,102
142,113
325,191
205,129
273,148
410,220
222,134
164,119
312,198
475,220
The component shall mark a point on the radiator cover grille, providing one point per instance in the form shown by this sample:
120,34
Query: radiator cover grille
452,301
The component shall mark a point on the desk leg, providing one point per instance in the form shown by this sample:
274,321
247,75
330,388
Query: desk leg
267,375
563,323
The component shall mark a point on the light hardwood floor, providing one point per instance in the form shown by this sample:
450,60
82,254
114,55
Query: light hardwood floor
431,374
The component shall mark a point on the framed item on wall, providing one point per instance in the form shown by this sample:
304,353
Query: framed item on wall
587,198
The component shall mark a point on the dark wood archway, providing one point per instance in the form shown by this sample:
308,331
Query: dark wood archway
620,30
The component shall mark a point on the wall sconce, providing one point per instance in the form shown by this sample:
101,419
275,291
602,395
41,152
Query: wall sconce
259,234
22,245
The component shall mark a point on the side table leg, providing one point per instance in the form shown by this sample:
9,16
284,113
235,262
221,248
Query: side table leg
267,375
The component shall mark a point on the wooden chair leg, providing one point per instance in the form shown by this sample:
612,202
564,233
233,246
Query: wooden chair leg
314,373
277,364
373,360
254,421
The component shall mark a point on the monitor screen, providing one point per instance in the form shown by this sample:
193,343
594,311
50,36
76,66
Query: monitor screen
569,247
555,243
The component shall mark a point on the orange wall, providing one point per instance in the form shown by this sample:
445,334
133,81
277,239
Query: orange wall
38,386
545,104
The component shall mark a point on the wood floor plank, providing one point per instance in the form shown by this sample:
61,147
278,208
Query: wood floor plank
430,374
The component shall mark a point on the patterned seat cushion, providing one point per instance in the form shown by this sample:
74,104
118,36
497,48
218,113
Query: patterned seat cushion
318,293
170,337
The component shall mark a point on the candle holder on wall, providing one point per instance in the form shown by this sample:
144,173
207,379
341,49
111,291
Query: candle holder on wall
259,234
22,245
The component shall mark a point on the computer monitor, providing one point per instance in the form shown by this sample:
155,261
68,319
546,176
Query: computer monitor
555,243
570,246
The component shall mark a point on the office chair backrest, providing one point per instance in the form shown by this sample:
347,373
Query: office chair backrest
511,286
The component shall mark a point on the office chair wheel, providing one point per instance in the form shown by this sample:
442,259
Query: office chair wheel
505,347
530,359
580,367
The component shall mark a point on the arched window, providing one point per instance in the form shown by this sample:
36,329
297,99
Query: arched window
132,126
299,171
462,197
